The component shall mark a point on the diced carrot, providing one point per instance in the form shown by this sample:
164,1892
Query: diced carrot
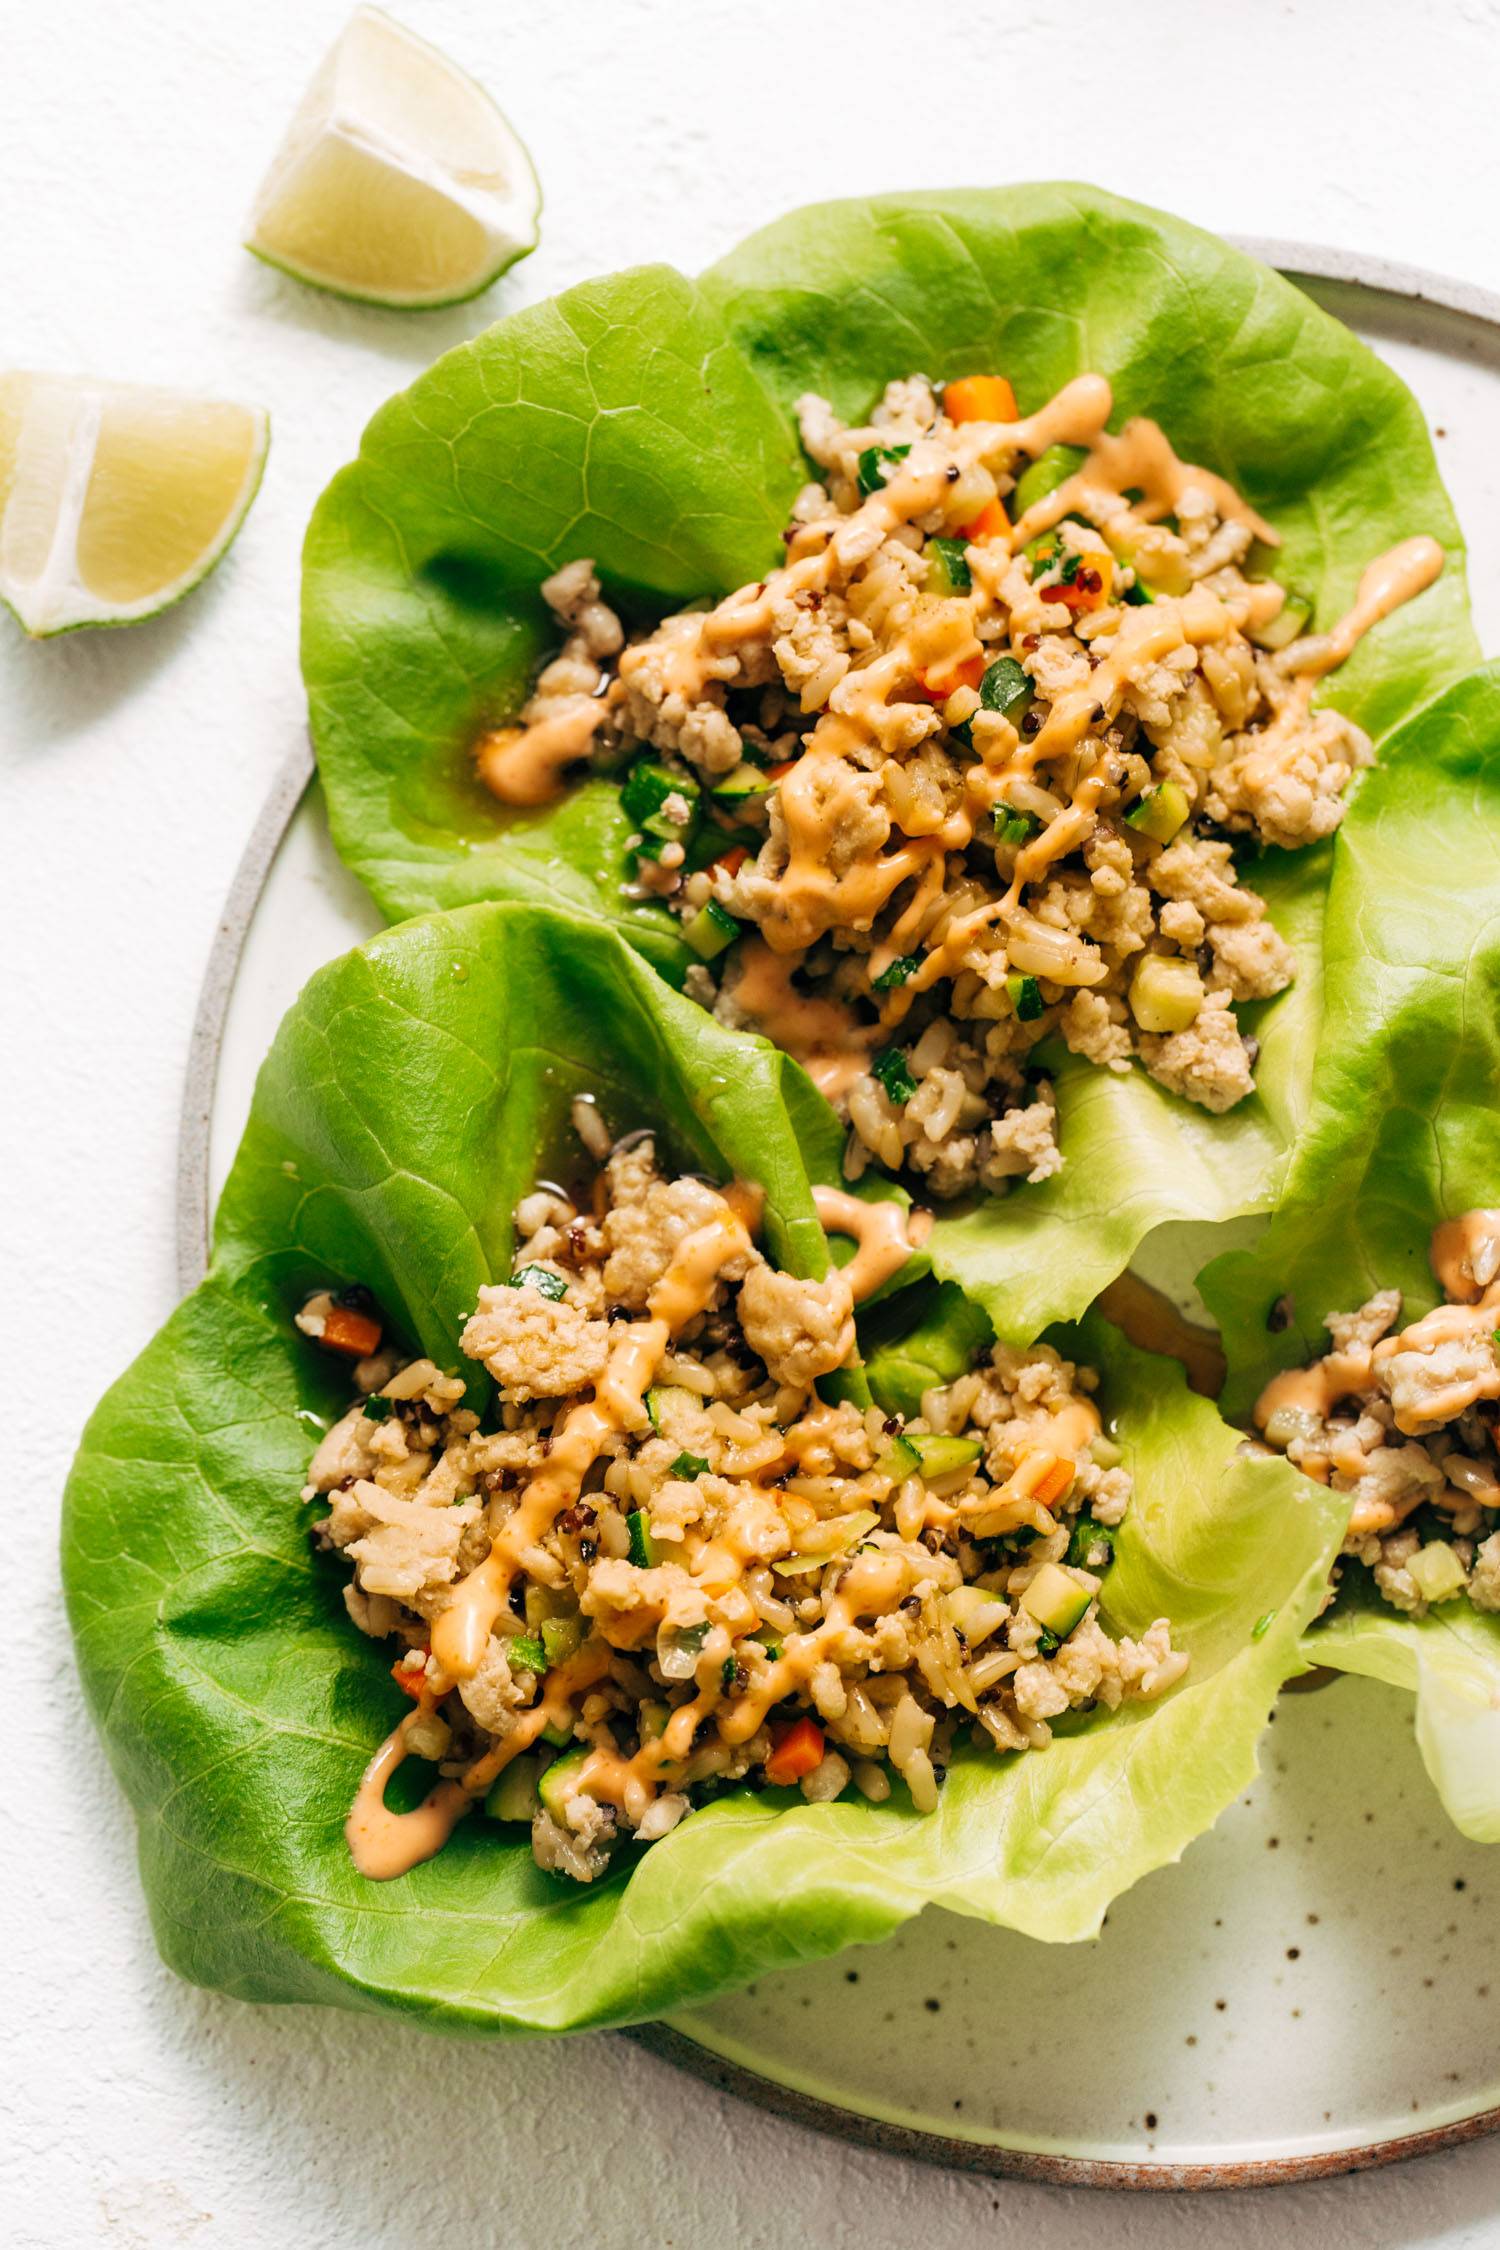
936,687
1053,1482
1090,588
353,1333
731,861
795,1750
979,398
411,1677
779,773
988,524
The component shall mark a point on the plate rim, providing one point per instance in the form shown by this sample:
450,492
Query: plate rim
1296,260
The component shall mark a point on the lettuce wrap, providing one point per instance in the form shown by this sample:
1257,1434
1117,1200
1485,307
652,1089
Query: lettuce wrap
1403,1131
645,420
417,1088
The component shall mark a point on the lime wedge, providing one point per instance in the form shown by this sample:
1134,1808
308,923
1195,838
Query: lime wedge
116,500
399,181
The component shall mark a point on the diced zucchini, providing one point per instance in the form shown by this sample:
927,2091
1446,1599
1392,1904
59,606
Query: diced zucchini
974,1613
558,1736
1438,1573
560,1781
645,793
1055,1600
526,1652
542,1279
1007,687
1166,993
928,1455
642,1545
562,1637
678,1648
1044,475
1104,1453
1289,624
893,1072
1160,812
542,1602
711,931
1025,996
900,1460
651,1720
1139,595
948,569
514,1796
744,782
660,1401
870,473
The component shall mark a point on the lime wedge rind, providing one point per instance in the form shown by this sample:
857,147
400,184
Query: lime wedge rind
398,182
51,501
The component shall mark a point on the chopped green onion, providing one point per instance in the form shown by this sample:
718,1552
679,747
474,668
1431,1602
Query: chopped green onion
642,1545
1262,1625
1015,827
1160,812
1025,996
1138,595
727,1671
378,1409
905,965
890,1068
773,1651
1007,687
688,1465
948,569
873,462
542,1280
524,1653
1048,1642
1086,1541
712,930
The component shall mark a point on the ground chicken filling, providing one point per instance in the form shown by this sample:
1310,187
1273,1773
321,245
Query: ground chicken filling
661,1566
966,774
1409,1424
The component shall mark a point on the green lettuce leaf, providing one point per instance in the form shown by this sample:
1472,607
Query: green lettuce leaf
1404,1130
418,1086
646,421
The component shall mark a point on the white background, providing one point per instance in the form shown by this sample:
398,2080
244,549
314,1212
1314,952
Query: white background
131,140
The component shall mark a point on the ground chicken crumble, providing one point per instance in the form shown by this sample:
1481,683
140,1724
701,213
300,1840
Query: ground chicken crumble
832,1597
1406,1421
947,785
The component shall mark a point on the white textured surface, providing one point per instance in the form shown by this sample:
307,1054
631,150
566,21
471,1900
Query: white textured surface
130,142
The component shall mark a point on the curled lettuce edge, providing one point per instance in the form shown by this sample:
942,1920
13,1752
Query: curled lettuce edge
413,1092
1403,1130
646,419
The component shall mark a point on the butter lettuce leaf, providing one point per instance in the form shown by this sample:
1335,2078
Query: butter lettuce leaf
1403,1131
647,421
418,1086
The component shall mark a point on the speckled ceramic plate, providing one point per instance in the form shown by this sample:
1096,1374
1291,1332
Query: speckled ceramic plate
1309,1990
